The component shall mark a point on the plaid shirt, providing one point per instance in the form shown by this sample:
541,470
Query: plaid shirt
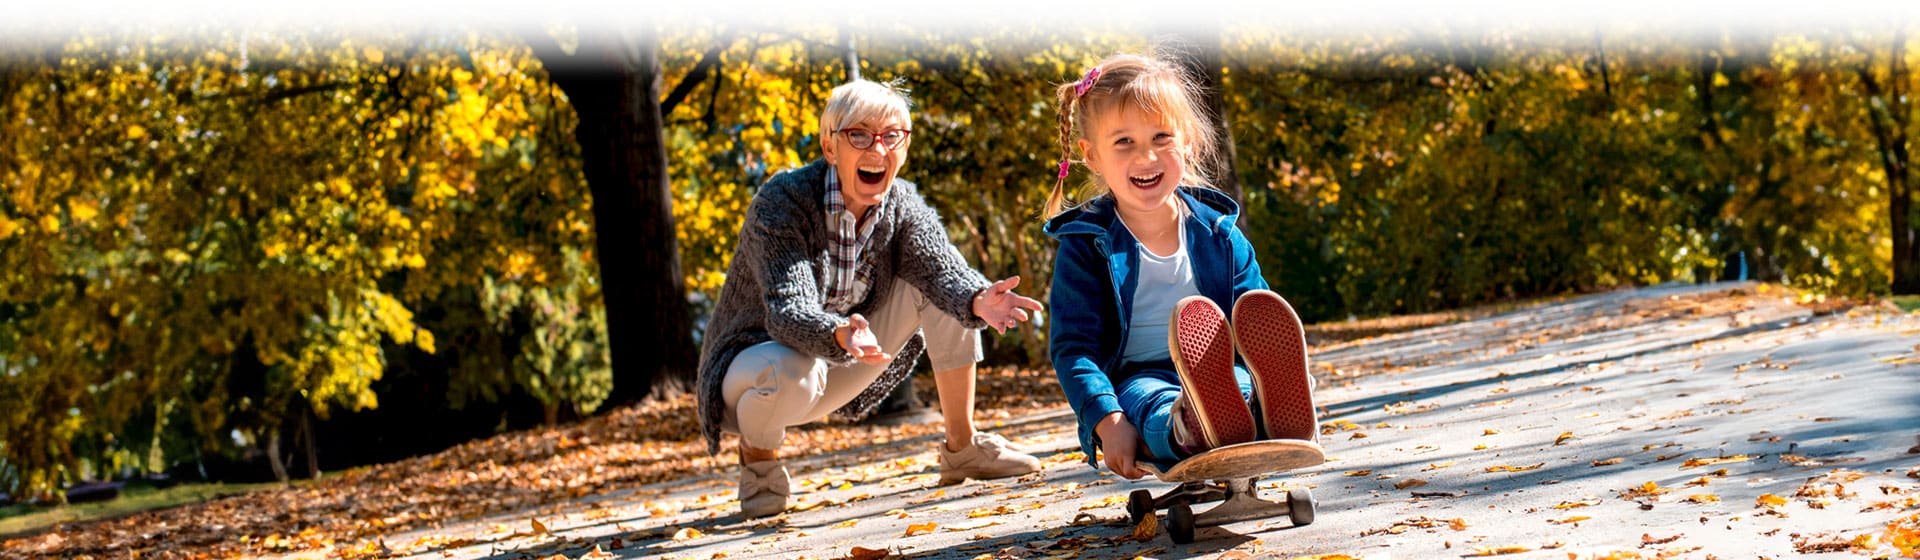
846,279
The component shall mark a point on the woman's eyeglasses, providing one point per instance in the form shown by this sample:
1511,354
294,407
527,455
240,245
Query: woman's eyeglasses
862,139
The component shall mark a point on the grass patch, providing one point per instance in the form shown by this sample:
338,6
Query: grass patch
15,519
1907,303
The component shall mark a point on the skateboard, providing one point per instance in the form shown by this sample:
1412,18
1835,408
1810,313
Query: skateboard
1227,475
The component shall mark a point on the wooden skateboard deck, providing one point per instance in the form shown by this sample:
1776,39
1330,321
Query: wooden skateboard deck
1244,460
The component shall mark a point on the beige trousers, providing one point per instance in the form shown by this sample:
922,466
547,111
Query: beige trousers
769,386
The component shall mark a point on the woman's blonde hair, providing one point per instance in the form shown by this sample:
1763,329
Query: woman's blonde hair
860,100
1147,82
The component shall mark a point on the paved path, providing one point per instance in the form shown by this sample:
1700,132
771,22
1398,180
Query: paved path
1683,421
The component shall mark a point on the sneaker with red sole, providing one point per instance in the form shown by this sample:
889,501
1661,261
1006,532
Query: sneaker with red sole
1271,340
1202,345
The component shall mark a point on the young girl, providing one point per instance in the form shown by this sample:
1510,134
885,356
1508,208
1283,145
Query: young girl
1143,349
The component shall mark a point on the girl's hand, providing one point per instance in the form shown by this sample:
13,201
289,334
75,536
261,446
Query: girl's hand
1119,443
1001,308
858,340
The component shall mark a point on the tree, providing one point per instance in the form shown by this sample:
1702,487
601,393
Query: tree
612,79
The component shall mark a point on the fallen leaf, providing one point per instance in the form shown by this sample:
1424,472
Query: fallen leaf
1769,501
920,529
847,523
687,533
1703,498
1439,465
1358,473
1715,461
597,554
1510,468
1580,504
859,553
1409,483
1149,527
1499,550
1573,519
971,525
1564,436
538,527
1647,540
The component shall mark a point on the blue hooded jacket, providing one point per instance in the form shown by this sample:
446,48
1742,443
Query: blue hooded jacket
1094,275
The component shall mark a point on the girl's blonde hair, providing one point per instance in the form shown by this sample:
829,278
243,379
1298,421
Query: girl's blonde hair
1148,82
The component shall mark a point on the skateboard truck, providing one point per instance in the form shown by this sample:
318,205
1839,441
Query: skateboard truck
1228,475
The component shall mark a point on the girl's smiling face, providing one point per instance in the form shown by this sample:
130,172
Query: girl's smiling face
1137,155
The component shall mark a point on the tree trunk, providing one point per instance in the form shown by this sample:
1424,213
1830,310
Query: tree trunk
1895,161
1906,253
613,83
274,459
313,453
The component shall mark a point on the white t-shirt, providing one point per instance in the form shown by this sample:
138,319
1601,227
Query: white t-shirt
1164,281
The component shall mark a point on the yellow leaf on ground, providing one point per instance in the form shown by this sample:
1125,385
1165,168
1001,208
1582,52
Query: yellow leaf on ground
1509,468
1769,501
1564,436
1605,462
597,554
1579,504
1148,528
538,527
1358,473
688,533
1647,490
859,553
920,529
1409,483
1715,461
1573,519
1703,498
1499,550
846,524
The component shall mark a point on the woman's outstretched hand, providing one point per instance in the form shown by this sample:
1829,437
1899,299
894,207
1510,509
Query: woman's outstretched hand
1001,308
858,339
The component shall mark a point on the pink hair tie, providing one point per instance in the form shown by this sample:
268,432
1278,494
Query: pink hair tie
1063,169
1080,89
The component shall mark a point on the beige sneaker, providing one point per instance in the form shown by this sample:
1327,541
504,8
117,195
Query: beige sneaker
990,456
763,489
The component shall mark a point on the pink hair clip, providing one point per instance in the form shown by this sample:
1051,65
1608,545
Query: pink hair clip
1080,89
1063,169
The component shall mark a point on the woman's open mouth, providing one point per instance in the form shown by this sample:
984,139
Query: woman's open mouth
1147,182
871,175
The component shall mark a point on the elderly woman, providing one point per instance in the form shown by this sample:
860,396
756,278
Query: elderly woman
839,264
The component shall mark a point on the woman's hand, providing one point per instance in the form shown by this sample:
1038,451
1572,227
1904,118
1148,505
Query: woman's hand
1119,443
856,338
1001,308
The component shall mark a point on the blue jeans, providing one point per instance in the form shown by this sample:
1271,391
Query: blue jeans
1146,396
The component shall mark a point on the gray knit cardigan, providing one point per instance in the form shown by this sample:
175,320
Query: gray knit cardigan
776,284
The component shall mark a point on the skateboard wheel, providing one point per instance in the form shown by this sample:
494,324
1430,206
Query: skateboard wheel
1180,523
1139,505
1300,506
